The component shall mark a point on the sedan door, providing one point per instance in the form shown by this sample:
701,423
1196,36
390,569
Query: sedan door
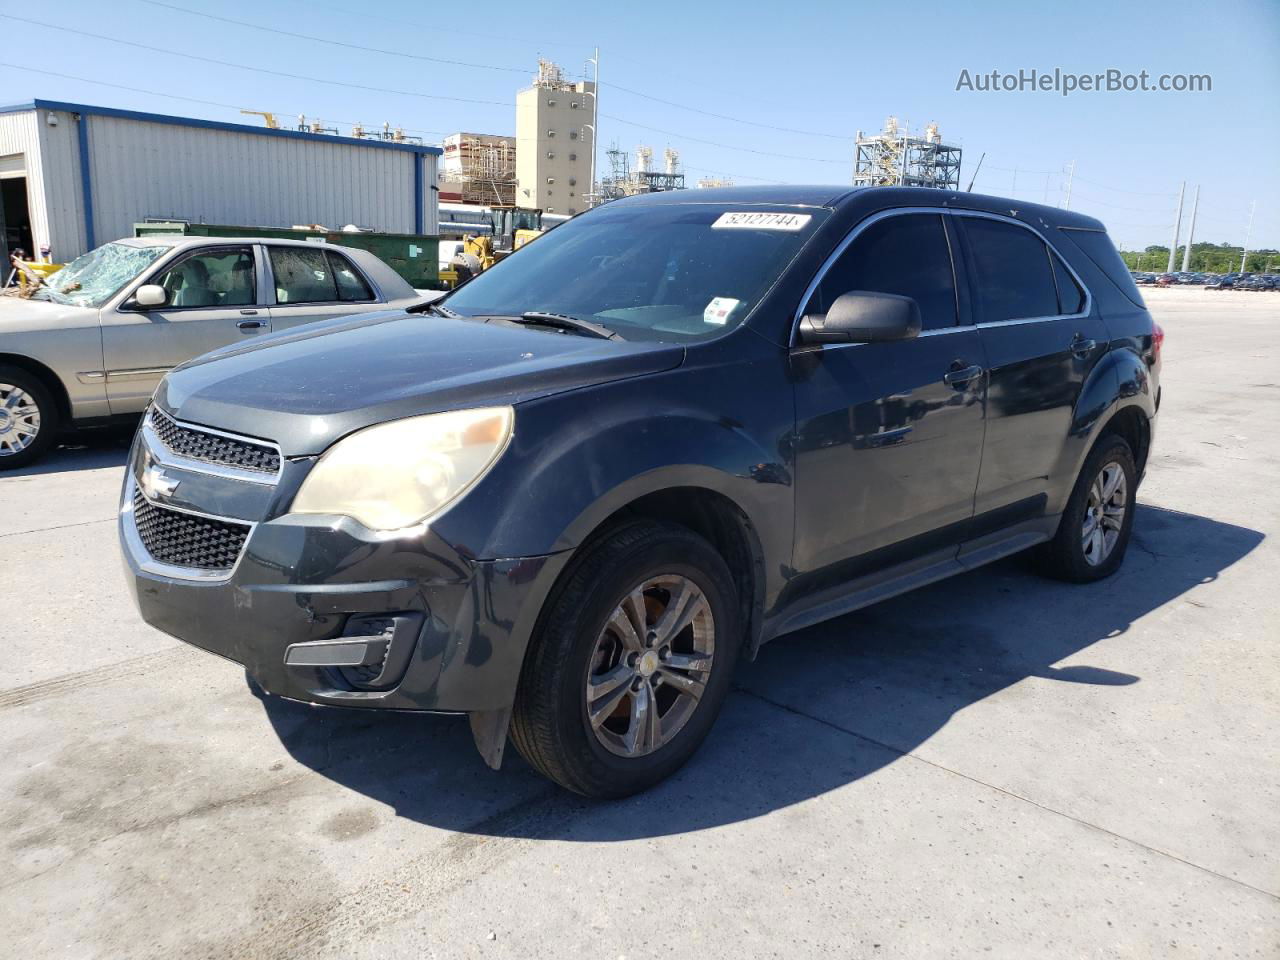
212,301
315,283
1042,338
888,435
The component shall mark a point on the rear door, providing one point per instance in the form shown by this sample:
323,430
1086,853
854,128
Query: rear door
212,301
315,283
1041,336
888,435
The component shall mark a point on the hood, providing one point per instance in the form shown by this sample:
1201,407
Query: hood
19,316
306,388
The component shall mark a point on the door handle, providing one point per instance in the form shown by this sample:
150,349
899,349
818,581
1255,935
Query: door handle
1082,346
249,313
251,324
958,378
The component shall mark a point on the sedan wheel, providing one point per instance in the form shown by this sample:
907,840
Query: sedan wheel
19,420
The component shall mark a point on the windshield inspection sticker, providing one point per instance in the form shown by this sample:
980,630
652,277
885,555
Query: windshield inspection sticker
718,310
761,221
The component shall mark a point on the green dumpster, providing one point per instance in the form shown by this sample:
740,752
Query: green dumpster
414,256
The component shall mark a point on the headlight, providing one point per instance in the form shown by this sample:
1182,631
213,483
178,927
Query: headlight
405,472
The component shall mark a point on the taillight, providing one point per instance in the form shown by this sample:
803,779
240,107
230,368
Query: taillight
1157,341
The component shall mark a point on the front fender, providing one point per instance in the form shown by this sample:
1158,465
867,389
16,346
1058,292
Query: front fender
579,457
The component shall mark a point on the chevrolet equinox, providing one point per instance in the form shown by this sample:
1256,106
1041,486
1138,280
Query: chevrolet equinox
567,497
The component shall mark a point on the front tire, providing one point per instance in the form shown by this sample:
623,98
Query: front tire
1096,526
631,662
28,418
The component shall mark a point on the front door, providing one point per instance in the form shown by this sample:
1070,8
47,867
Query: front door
888,435
1041,341
211,301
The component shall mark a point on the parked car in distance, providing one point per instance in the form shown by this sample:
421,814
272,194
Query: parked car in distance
90,346
1225,282
1166,280
568,497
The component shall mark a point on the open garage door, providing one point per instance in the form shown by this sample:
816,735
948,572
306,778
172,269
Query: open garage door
15,213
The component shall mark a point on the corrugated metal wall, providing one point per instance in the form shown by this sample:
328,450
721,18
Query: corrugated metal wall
145,169
63,191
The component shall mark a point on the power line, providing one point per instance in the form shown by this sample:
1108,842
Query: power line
718,116
484,66
723,146
244,66
177,96
334,43
1169,194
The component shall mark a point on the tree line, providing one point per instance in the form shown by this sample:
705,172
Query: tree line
1205,258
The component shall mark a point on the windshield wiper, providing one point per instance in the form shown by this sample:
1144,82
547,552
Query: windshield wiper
563,321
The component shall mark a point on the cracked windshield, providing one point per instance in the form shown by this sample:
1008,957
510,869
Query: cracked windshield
91,280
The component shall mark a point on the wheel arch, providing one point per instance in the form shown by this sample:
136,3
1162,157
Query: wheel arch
48,379
718,519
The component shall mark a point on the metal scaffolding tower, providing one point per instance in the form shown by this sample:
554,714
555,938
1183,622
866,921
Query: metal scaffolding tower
895,158
623,181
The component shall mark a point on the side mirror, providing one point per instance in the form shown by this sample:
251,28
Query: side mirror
862,316
150,295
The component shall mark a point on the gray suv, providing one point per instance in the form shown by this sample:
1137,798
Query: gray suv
567,498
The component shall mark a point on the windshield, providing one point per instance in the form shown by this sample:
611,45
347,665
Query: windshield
678,272
93,279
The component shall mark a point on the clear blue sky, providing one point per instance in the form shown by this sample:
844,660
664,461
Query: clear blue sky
818,67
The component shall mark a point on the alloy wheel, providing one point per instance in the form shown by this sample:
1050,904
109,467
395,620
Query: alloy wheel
1104,514
650,666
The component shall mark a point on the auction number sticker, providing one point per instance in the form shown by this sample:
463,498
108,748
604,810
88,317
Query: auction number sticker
718,310
761,221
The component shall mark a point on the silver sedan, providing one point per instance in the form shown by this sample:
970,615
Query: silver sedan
91,345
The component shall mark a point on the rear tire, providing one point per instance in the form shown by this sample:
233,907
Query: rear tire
1094,533
29,418
606,710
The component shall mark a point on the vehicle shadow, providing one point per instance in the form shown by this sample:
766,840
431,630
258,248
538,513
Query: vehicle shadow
92,450
876,684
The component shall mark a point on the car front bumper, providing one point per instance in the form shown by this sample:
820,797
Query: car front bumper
322,610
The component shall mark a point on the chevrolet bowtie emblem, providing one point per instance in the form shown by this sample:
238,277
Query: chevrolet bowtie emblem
155,482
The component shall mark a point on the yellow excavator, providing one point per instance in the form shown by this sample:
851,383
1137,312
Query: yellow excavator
513,227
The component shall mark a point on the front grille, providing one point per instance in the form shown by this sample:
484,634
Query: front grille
195,444
184,540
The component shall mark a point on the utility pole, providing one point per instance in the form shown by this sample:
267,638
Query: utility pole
593,197
1177,227
1071,173
1248,232
1191,231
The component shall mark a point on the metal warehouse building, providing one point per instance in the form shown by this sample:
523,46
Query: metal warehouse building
74,176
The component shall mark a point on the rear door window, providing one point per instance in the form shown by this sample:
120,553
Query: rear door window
351,286
1012,272
908,255
303,275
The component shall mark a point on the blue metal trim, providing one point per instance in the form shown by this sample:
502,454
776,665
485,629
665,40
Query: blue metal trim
85,109
417,195
86,180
